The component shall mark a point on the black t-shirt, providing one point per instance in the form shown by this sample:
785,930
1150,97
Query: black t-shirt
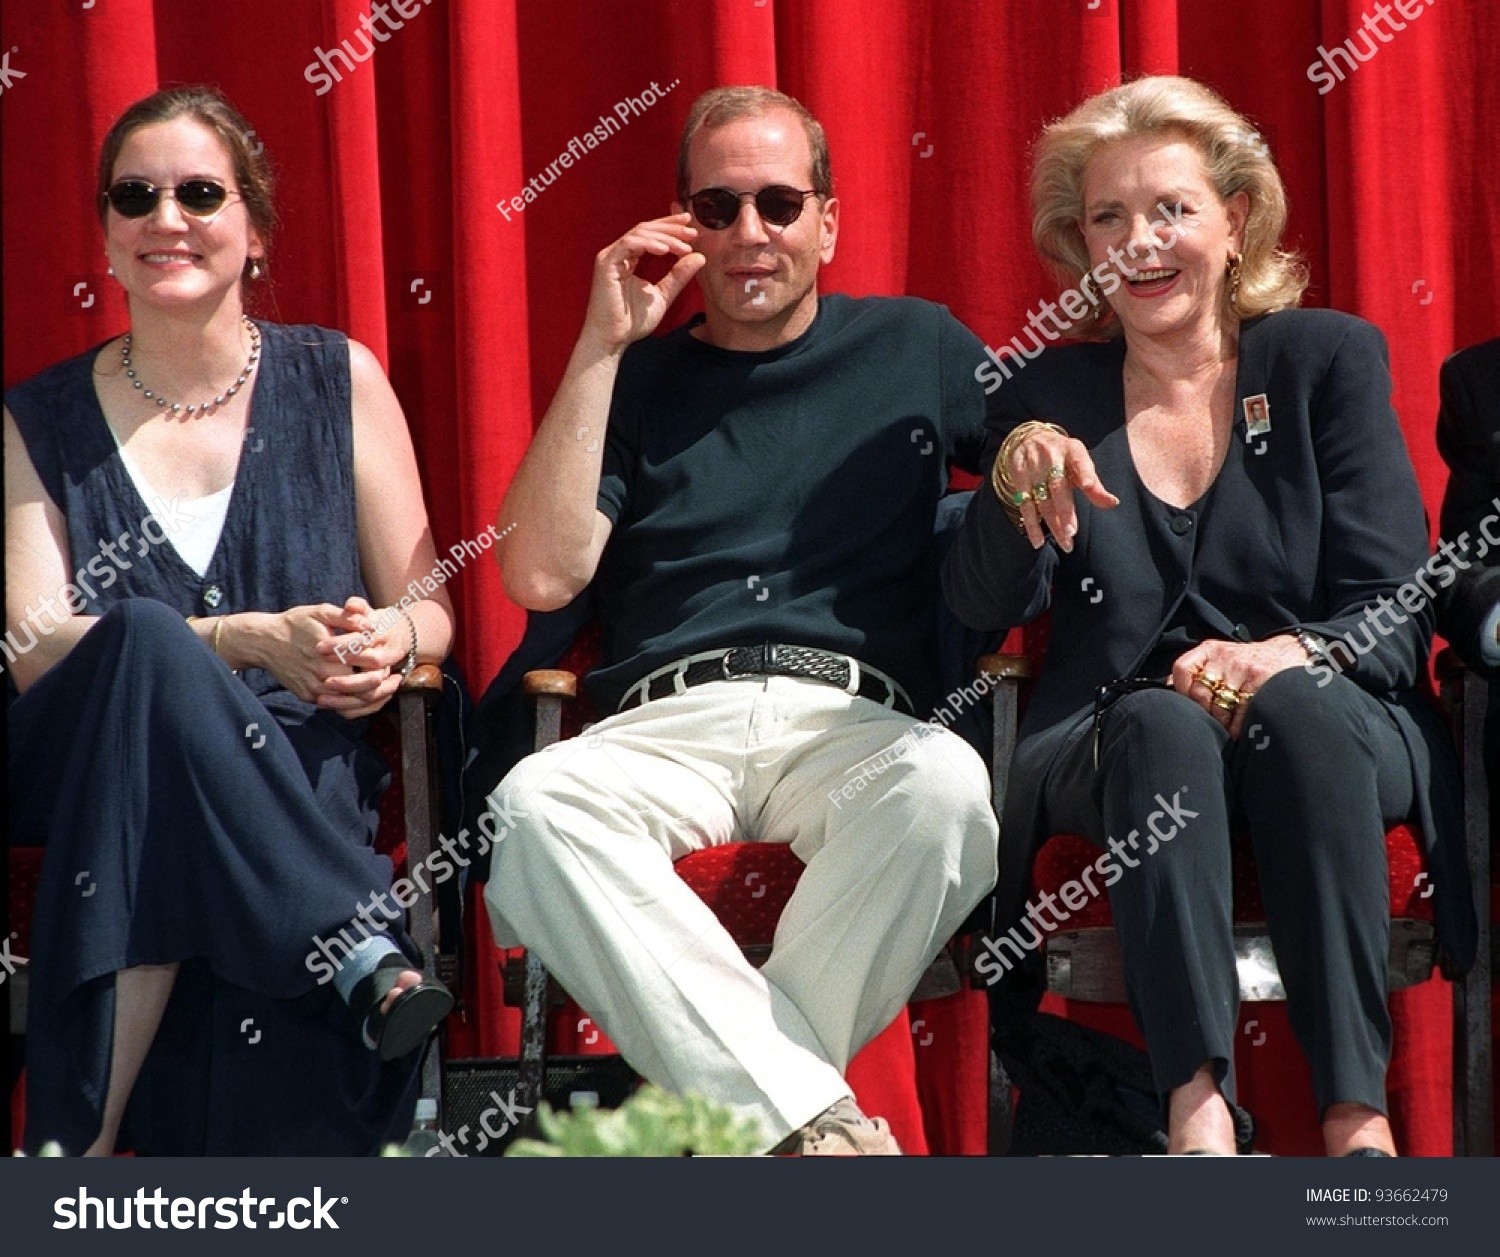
785,496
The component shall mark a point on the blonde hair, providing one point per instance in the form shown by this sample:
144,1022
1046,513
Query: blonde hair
1235,160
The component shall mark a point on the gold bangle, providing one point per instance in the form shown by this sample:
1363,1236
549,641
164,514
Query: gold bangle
218,628
1023,430
1014,437
1006,494
1005,488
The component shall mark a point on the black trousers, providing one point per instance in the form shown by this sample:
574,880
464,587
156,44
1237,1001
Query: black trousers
1315,778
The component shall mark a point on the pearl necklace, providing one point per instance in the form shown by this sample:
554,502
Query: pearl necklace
176,407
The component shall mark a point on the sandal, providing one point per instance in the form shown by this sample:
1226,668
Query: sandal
413,1016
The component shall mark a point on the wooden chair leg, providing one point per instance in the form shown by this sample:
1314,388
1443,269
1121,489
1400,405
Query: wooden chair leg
1473,1083
1007,672
1000,1115
532,1074
549,688
414,702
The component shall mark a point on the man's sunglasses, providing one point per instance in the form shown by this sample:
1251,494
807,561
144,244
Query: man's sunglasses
135,198
779,205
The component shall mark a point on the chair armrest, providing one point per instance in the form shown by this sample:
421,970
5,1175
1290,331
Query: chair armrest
1005,667
550,681
549,686
425,681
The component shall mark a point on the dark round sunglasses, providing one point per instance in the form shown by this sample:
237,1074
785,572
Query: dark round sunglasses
135,198
779,205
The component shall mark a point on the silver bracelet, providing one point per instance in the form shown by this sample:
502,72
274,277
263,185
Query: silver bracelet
1316,647
411,654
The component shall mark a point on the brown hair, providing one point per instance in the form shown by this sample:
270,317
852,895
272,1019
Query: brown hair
1235,159
205,105
722,105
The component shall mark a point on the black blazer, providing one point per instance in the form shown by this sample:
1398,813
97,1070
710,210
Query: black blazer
1468,438
1310,524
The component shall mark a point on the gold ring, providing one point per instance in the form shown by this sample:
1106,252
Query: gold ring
1056,473
1208,681
1020,498
1040,492
1225,700
1230,694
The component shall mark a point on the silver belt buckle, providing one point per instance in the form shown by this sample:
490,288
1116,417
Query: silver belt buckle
731,666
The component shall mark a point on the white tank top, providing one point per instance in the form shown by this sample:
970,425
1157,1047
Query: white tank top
196,539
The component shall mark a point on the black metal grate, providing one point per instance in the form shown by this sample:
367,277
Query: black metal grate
480,1096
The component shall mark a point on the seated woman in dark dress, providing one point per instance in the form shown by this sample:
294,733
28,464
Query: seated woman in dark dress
204,519
1215,501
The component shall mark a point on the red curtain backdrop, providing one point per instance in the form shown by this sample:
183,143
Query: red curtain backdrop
390,176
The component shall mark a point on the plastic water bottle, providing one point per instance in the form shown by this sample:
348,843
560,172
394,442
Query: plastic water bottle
424,1132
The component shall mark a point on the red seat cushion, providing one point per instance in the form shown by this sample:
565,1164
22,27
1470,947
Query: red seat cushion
746,884
1064,856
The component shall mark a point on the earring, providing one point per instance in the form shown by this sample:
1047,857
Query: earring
1089,294
255,269
1232,268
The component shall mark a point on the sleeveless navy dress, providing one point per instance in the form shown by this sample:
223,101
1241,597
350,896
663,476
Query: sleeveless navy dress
196,816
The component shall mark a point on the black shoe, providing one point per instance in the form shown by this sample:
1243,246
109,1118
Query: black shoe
413,1016
1367,1152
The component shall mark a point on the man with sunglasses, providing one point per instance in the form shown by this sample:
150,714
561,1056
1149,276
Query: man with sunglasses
752,498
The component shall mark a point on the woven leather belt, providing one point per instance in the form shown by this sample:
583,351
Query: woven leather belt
769,660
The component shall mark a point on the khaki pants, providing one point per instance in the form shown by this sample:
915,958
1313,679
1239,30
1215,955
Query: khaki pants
584,878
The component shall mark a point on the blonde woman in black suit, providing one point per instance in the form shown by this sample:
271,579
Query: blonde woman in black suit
1215,502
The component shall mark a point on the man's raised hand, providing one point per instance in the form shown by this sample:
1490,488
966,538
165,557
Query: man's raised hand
623,307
